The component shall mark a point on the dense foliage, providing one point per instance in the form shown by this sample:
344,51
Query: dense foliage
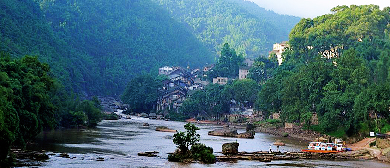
31,101
228,63
25,106
142,93
96,47
211,101
244,25
336,66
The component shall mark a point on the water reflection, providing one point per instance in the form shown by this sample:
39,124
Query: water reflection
118,142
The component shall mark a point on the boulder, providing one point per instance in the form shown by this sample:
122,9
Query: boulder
230,148
250,127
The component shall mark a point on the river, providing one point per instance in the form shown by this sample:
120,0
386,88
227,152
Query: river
119,142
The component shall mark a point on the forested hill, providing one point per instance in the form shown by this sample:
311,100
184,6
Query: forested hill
96,47
248,28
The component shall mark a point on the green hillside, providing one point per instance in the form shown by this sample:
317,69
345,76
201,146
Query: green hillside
96,47
249,29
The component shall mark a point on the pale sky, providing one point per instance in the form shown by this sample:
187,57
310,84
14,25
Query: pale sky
312,8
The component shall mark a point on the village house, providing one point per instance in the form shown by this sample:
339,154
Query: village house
278,49
165,70
174,89
171,99
220,80
243,72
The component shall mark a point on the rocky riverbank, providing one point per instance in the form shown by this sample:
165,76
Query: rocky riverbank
296,133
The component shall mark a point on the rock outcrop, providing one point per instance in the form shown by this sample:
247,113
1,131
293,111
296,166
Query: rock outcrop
230,148
226,132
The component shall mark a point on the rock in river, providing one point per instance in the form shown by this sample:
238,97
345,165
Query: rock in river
230,148
227,132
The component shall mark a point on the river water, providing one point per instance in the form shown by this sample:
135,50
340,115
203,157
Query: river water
118,142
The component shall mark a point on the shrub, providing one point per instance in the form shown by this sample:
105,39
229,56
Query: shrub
202,153
273,121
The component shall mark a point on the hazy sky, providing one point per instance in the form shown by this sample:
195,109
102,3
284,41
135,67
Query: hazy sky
312,8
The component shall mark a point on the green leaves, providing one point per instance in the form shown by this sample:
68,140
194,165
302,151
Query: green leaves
185,139
228,63
212,101
25,105
141,93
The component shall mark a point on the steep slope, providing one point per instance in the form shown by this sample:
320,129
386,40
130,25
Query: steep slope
244,25
95,47
23,30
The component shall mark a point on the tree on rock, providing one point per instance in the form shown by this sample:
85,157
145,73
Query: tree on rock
198,151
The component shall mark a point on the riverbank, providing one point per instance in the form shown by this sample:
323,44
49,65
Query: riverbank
360,149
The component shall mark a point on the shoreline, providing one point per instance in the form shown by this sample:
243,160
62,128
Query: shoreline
360,149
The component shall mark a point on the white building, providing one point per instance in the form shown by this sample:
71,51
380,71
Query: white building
166,70
220,80
278,49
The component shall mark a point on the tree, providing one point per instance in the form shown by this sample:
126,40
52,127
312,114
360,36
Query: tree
185,139
349,79
245,91
262,69
25,105
141,93
198,151
212,101
92,113
228,63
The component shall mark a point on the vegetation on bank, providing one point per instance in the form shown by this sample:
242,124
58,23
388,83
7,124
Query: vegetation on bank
337,66
198,151
31,100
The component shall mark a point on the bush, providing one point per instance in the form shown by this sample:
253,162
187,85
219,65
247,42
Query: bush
111,116
273,121
178,156
202,153
285,134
